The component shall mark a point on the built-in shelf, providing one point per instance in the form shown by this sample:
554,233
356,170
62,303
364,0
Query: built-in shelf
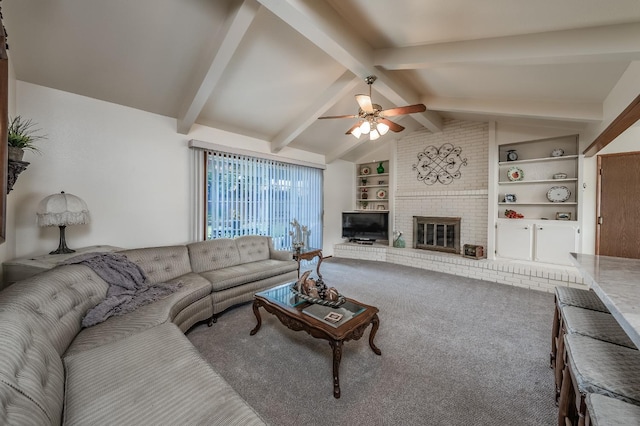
375,182
538,160
519,182
537,167
566,203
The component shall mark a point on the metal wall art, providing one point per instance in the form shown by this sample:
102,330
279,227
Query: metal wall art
440,164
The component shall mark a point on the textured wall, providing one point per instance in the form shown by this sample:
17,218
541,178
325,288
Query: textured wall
465,197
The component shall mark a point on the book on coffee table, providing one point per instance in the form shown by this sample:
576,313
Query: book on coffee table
335,317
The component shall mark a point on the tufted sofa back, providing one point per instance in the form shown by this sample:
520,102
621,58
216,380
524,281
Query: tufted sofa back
213,254
253,248
56,301
161,264
224,252
31,374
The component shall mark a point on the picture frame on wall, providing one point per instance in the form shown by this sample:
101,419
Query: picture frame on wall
563,216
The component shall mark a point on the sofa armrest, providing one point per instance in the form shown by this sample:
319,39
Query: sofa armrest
281,254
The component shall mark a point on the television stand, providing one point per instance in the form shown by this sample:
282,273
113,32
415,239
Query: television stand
363,242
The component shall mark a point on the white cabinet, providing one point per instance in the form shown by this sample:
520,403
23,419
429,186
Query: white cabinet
554,242
537,240
515,240
372,186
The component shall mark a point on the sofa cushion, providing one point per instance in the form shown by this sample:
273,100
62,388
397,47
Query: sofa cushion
156,377
213,254
194,288
161,264
247,272
31,366
57,300
253,248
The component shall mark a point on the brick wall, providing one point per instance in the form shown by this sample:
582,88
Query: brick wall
465,197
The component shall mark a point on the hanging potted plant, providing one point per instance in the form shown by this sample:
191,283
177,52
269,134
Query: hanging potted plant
22,135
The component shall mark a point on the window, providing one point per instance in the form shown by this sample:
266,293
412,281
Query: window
247,195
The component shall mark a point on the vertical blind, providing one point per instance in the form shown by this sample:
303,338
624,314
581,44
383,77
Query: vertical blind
255,196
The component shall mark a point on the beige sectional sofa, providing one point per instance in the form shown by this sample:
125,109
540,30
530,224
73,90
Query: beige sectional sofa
137,368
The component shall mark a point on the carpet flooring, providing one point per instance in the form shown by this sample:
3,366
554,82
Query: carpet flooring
455,351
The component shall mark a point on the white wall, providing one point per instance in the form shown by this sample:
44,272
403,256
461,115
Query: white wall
131,167
339,190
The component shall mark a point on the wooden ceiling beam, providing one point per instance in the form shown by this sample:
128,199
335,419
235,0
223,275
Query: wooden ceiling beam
622,122
321,25
580,112
595,44
235,27
343,85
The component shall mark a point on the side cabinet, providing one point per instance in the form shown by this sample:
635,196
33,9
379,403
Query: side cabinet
514,240
540,241
554,242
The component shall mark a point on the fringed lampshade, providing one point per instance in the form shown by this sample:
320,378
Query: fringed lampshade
62,210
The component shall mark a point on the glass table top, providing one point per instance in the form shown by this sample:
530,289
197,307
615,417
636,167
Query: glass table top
333,316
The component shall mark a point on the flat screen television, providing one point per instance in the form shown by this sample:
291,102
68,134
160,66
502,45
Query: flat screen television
365,226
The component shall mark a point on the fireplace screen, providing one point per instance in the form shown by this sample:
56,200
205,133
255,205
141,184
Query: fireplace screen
437,233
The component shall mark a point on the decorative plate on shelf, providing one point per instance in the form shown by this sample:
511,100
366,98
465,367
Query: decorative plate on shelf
558,194
558,152
381,193
515,174
365,171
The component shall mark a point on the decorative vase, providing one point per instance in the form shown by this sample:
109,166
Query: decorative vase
399,241
15,154
380,168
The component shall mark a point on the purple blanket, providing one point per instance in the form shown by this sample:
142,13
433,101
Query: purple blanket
128,287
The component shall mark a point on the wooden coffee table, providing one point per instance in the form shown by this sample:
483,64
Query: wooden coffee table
296,314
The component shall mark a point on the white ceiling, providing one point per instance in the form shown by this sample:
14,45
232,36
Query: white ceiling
269,68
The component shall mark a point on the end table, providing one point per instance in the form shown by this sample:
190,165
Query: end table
25,267
308,254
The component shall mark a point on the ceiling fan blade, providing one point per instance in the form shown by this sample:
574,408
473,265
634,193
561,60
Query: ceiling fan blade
395,127
365,103
352,128
409,109
338,116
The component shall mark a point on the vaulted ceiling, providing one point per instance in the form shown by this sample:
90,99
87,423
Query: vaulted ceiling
269,68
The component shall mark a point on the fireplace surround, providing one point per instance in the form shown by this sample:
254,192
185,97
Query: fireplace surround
436,233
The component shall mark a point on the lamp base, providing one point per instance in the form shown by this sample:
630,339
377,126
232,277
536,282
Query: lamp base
62,247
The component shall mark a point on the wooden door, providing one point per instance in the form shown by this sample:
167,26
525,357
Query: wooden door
618,205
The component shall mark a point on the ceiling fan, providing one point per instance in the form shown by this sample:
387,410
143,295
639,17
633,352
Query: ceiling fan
372,118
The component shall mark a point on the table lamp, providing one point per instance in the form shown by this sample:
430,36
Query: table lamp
62,210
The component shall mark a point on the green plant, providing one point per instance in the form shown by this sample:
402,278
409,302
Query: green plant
22,134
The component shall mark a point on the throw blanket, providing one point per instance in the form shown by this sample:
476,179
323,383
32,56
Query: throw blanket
128,288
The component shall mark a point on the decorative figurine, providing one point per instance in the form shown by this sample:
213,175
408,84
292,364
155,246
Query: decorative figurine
380,168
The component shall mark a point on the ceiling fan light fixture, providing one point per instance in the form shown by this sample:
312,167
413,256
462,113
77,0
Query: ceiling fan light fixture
365,127
382,128
356,132
374,135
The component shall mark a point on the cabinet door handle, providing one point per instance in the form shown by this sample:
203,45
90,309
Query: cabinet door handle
526,227
540,228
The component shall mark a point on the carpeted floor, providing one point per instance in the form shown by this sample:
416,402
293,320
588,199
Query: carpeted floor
455,351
